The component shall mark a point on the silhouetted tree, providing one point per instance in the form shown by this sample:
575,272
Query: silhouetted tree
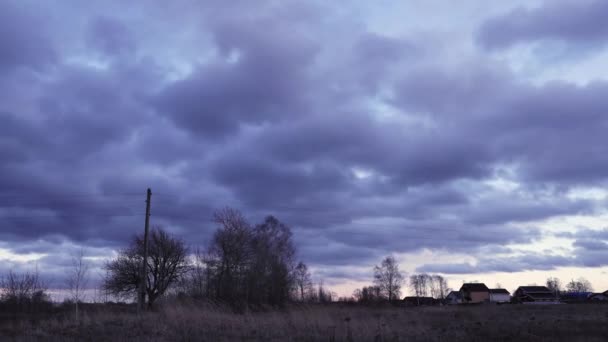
302,281
271,274
555,285
197,283
78,278
167,262
388,278
419,284
23,292
368,294
231,255
252,265
324,295
579,285
438,286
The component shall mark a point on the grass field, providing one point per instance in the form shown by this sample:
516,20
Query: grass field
193,322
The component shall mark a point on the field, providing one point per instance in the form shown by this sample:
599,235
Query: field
336,322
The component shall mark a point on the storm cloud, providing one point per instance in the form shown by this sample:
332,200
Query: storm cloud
576,22
366,141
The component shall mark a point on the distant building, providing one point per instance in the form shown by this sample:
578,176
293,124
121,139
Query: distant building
420,301
474,293
575,297
598,297
454,297
535,294
500,296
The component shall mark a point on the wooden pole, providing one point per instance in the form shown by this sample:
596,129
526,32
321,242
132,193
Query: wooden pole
141,302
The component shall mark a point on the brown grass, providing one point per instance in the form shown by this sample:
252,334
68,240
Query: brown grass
194,322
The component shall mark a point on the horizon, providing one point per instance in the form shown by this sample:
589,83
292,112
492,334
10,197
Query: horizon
465,140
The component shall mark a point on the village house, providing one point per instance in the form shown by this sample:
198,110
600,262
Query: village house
599,297
535,295
454,297
500,296
474,293
420,301
574,297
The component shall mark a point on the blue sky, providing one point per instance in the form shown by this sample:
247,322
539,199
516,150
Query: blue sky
465,139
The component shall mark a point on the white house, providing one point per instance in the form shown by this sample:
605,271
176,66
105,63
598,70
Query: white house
500,296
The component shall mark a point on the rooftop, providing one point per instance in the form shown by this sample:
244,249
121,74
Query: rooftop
530,289
502,291
474,287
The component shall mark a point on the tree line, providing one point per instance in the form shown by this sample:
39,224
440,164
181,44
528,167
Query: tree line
388,281
243,264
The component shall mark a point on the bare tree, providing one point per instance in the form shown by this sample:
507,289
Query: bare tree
368,294
167,262
231,251
251,265
419,284
433,287
302,280
24,291
270,277
324,295
440,285
78,278
555,285
388,278
197,282
579,285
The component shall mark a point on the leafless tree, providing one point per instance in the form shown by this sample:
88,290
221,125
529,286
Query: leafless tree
302,280
324,295
440,286
555,285
388,278
167,262
270,278
231,251
197,283
419,284
579,285
368,294
251,264
23,291
78,278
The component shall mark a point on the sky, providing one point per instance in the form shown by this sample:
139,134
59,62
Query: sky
464,138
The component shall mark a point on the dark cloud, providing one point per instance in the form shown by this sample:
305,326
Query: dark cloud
591,245
23,40
573,22
589,250
525,262
111,37
366,143
545,131
258,76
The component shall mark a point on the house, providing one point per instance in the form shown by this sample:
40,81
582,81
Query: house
535,294
500,296
454,297
575,297
420,301
598,297
474,293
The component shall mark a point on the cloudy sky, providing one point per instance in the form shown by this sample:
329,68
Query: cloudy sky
466,139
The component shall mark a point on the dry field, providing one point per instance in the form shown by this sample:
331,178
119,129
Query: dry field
189,322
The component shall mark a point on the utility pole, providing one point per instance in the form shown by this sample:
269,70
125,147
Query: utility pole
141,302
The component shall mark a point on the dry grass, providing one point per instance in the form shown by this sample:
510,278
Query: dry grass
190,322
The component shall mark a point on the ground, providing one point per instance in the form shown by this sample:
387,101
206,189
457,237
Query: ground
336,322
